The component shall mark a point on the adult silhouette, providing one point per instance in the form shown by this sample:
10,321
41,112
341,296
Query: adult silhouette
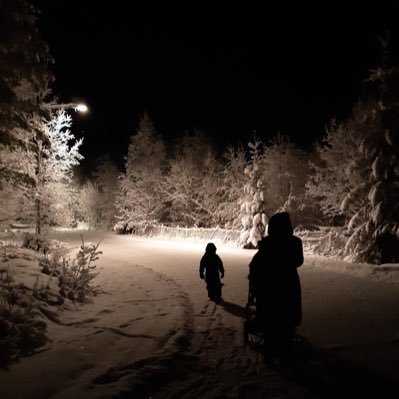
274,282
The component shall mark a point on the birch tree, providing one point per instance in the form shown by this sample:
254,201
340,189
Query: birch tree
56,157
193,182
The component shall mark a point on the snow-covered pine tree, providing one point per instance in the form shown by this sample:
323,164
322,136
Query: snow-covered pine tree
340,181
253,213
365,179
139,200
357,179
24,83
378,238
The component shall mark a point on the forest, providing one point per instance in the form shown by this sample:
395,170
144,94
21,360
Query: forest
347,184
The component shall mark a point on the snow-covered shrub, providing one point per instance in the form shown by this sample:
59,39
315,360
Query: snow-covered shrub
25,305
21,333
120,228
326,241
75,276
36,242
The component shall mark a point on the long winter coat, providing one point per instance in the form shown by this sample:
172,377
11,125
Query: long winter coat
274,280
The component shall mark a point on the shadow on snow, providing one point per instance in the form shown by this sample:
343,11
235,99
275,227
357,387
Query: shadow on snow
327,374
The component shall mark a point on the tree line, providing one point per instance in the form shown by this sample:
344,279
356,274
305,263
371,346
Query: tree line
348,182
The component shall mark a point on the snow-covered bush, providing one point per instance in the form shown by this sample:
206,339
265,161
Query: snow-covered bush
31,294
36,242
326,241
74,275
21,332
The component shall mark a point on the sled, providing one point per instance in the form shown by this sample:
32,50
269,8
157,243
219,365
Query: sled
253,327
257,339
255,332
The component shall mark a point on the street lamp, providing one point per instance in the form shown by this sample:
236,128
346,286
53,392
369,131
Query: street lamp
80,107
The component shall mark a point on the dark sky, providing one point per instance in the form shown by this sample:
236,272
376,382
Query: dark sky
229,71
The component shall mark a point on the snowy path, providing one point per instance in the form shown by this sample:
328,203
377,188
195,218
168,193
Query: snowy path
153,333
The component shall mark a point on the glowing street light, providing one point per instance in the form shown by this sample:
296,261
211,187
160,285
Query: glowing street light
81,108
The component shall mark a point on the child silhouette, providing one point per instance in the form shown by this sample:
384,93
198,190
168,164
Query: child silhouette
211,269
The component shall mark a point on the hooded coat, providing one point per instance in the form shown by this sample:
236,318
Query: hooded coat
274,278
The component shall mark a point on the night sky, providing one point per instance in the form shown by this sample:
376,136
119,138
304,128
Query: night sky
228,71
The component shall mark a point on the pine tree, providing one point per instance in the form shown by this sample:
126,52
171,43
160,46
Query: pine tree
24,83
340,182
139,201
253,213
359,177
378,238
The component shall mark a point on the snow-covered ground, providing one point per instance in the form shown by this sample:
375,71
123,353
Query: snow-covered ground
152,333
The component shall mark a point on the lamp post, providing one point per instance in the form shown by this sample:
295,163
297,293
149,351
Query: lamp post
78,107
